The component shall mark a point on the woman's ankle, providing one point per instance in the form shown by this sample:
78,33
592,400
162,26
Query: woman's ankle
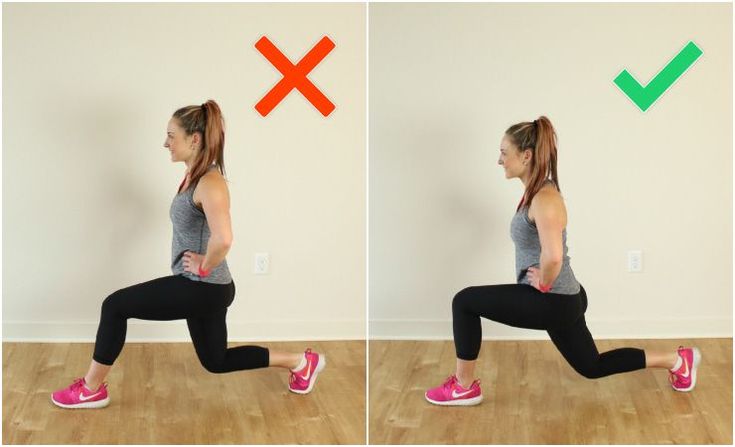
92,386
465,382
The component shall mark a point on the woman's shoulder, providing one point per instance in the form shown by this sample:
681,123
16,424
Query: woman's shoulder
213,178
211,181
548,195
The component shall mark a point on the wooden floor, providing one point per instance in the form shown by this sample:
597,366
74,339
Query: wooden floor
531,396
160,394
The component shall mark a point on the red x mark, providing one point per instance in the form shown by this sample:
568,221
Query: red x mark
294,76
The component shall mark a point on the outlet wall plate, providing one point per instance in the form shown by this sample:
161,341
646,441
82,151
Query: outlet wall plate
635,261
262,264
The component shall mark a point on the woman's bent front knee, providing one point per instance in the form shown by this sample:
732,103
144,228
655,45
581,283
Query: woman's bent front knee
460,300
112,302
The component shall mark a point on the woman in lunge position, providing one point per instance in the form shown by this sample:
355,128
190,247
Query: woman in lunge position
201,288
547,295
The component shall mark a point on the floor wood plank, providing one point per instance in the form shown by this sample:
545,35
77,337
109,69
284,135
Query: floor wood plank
160,394
532,396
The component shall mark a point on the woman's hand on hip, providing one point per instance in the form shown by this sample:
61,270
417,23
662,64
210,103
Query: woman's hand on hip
192,261
534,276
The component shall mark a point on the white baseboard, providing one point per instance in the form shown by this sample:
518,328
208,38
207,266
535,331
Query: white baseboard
599,328
141,331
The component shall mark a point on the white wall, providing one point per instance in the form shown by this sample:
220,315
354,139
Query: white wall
446,80
88,90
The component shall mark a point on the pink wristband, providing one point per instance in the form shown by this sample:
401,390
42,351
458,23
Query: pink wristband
543,288
204,273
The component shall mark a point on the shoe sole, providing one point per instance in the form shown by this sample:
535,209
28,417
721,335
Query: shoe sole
94,404
456,402
315,374
697,359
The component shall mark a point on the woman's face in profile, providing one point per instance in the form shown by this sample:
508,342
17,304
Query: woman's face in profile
173,133
511,159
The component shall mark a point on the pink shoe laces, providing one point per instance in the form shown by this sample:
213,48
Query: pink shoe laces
292,374
451,380
674,375
78,383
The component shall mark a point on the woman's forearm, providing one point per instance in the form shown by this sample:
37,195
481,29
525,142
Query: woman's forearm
550,269
216,251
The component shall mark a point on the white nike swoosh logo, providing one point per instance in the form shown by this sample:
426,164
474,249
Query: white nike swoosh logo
83,398
686,372
308,371
456,395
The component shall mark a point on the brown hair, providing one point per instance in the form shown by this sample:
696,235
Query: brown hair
206,119
538,136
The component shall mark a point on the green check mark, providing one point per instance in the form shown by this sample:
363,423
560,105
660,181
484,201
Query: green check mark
644,97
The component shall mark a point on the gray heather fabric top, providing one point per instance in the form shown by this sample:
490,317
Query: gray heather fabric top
191,232
528,253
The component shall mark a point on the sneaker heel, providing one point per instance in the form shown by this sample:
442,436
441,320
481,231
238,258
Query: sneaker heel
697,357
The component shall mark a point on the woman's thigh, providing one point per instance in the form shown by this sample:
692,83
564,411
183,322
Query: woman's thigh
519,305
209,333
575,343
169,298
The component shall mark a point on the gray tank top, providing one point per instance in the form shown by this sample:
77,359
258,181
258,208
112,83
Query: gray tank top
528,253
191,232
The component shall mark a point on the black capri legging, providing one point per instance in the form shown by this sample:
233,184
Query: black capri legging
524,306
203,305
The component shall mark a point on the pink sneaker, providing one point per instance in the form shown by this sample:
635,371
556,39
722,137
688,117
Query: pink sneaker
452,393
685,377
303,381
78,396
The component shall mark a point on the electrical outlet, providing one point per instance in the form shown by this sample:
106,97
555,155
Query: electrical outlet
262,262
635,261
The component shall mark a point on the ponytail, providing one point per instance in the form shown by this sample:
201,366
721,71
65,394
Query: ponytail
206,119
538,136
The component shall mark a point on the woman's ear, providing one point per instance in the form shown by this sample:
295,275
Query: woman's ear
529,156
